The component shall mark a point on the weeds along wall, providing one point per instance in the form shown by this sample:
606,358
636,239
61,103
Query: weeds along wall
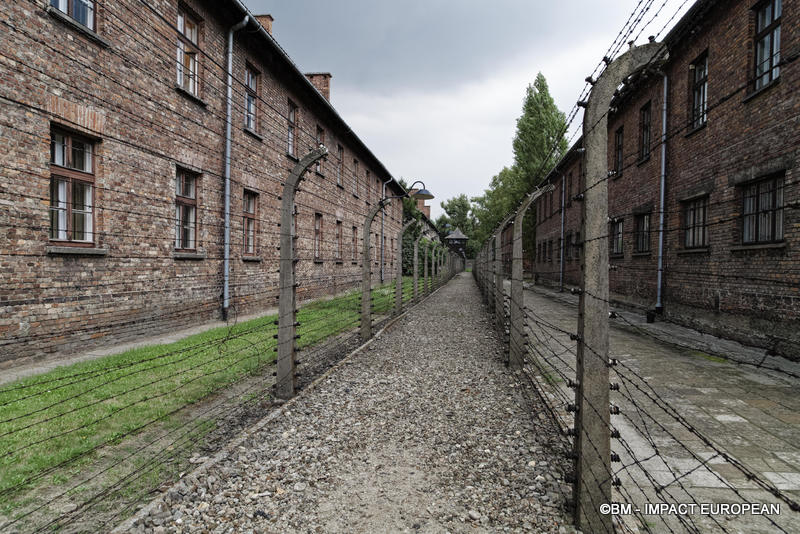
113,174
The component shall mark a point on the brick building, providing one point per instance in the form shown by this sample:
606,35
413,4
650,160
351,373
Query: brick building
113,171
731,228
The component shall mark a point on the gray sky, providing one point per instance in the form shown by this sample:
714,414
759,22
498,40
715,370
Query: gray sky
434,87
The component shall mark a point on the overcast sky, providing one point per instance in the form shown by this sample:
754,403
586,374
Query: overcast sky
434,87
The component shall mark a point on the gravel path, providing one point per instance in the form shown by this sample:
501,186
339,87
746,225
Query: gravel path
424,431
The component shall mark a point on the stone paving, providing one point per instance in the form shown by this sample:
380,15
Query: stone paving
425,430
751,414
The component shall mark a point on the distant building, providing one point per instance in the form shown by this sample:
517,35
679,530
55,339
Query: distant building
421,206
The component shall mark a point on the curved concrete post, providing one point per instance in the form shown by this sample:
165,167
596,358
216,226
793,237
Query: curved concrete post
398,285
285,379
416,267
366,273
426,283
518,341
592,444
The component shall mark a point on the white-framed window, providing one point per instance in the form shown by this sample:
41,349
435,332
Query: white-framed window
187,55
768,42
186,183
251,80
82,11
71,187
699,83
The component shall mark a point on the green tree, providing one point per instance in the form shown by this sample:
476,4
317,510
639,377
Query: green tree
539,142
538,145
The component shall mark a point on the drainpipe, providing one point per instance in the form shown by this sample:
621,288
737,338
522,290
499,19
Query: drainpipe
383,219
229,103
561,273
659,301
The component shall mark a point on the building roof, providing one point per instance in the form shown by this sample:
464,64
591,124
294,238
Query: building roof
456,234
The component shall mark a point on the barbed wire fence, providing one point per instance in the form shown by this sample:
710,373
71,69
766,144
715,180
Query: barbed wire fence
640,464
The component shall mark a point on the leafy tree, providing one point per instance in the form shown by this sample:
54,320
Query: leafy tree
538,145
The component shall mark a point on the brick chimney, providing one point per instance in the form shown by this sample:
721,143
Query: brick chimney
266,21
322,81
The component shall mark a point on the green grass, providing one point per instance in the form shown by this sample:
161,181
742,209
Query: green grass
64,414
706,356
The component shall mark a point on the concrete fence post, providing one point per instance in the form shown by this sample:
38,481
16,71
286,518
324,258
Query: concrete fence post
416,267
499,293
592,420
426,283
287,313
398,294
366,273
518,343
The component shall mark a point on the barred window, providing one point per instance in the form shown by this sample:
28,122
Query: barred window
355,177
339,164
642,233
616,237
339,241
317,237
185,210
251,80
762,213
291,138
320,142
695,223
768,42
250,216
699,84
188,65
644,132
71,188
619,158
82,11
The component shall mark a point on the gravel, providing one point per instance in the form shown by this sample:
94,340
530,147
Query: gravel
423,431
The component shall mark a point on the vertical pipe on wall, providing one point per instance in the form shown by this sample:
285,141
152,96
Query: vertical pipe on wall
662,208
226,297
561,269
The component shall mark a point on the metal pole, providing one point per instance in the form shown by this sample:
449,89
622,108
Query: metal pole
592,445
226,263
285,378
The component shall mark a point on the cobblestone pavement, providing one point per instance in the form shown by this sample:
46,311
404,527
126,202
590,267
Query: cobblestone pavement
751,414
423,431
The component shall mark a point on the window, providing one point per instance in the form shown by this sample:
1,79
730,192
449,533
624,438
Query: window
762,213
568,247
291,140
188,67
320,142
569,190
616,236
768,42
577,245
317,237
185,210
644,132
699,83
368,178
619,159
250,214
641,234
71,188
339,164
339,241
251,98
355,245
355,177
391,253
81,11
695,220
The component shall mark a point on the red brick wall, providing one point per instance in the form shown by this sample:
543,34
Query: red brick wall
124,95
